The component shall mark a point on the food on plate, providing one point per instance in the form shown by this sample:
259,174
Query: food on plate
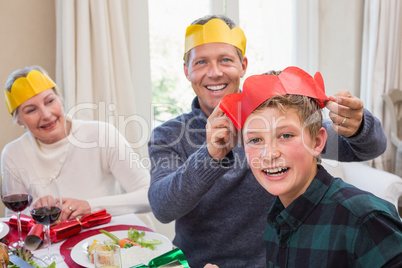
135,248
123,243
134,238
3,255
91,248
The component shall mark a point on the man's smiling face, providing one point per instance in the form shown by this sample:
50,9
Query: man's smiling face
214,70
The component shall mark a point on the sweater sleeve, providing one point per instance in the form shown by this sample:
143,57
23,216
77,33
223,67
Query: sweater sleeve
126,167
367,144
180,174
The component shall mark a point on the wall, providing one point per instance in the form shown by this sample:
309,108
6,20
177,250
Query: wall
341,26
28,37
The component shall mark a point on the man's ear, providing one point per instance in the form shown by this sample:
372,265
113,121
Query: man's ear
244,65
185,69
320,141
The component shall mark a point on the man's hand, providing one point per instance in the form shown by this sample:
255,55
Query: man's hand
346,111
221,135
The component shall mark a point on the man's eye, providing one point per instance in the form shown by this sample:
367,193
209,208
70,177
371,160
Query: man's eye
200,62
226,60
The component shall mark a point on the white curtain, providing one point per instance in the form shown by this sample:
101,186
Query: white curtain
381,63
103,65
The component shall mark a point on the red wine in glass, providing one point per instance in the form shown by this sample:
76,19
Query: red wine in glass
45,209
46,215
15,196
17,202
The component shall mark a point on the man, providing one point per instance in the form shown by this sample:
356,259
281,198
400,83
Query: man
197,178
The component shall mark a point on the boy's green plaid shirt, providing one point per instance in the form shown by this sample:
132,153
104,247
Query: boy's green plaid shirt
334,224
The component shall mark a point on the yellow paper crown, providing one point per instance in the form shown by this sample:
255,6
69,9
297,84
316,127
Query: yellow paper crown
25,88
214,31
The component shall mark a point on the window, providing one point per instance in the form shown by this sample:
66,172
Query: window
266,23
172,93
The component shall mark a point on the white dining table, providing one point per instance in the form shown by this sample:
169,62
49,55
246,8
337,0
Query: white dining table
128,219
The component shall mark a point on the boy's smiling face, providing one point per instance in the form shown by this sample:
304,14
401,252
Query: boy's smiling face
281,153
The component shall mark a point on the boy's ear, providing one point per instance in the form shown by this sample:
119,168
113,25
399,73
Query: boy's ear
320,141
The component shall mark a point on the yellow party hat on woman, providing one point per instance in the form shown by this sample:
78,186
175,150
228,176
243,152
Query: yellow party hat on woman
25,88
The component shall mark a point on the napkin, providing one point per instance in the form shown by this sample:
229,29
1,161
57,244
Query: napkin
174,258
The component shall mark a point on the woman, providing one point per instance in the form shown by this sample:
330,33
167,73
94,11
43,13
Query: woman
89,159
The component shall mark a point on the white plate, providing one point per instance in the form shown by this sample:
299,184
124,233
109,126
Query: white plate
4,229
79,251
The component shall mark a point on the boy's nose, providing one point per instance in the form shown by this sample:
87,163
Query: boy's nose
270,153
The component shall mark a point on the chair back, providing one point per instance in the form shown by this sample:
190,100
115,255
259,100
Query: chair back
393,102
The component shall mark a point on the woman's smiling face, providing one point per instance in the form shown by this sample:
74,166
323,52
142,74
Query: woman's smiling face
43,116
281,153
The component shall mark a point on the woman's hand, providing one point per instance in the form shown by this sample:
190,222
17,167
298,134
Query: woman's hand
210,266
73,208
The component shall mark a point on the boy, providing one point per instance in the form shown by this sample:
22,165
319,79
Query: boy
316,220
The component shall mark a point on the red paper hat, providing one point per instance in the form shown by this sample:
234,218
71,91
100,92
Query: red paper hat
259,88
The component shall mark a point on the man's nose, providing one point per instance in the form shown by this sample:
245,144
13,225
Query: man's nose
215,70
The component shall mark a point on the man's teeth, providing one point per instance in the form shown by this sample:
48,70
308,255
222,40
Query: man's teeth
216,88
275,171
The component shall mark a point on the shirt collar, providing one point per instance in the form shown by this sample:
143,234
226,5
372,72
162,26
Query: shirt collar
295,214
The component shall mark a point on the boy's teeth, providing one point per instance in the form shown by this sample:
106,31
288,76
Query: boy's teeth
275,171
216,88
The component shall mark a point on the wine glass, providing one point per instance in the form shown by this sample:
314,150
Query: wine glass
45,209
15,196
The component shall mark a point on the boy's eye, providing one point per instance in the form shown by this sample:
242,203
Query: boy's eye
254,140
286,136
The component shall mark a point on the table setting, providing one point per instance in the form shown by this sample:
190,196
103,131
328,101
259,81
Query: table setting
94,240
73,248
